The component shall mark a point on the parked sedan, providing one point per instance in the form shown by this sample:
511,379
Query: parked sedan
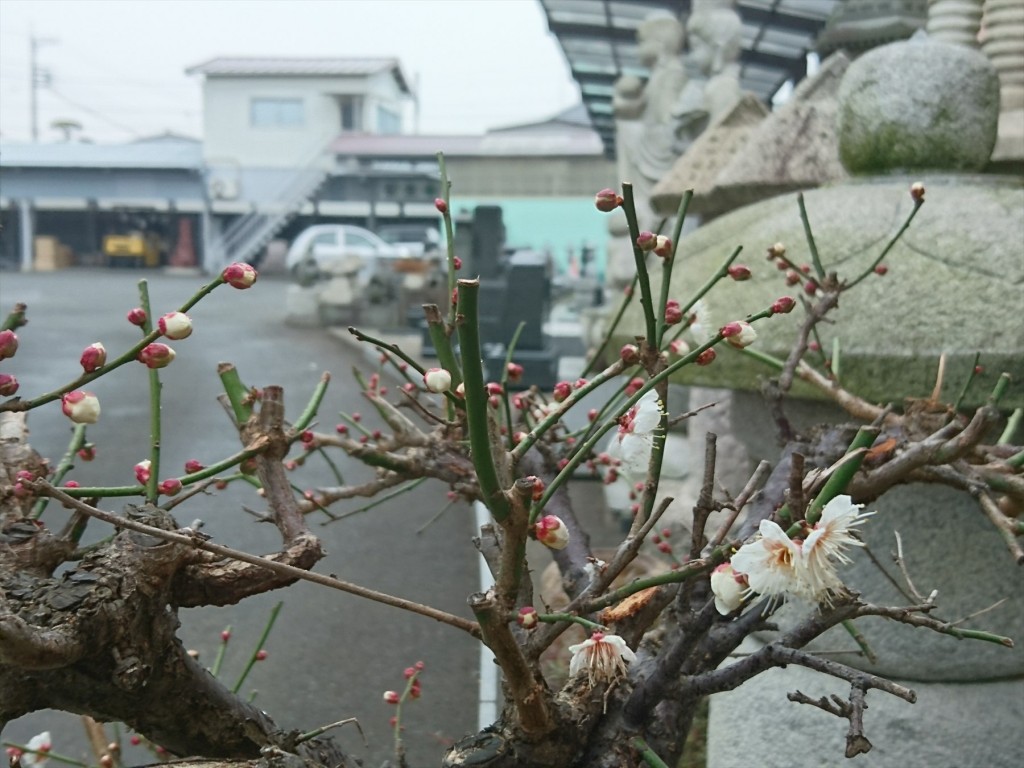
328,248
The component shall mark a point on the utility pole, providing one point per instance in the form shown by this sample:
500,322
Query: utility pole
39,77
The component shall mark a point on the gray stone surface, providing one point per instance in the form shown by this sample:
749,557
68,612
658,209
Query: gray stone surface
795,148
919,104
950,726
953,286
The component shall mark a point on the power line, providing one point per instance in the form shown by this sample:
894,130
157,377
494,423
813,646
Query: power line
94,113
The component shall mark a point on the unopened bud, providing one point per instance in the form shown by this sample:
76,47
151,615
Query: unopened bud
391,697
437,380
169,487
142,471
456,262
8,385
917,192
93,357
740,334
156,355
81,407
783,305
663,247
607,200
137,316
515,371
646,241
739,273
673,312
881,270
551,532
562,390
239,275
630,354
175,325
192,466
776,251
8,344
440,205
707,357
527,617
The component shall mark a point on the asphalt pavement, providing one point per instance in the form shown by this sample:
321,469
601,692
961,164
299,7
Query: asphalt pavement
331,656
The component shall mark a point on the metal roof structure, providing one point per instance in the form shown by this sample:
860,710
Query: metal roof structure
260,66
598,38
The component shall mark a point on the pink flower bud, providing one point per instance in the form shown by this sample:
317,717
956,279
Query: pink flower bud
730,329
225,635
592,414
663,247
81,407
137,316
515,371
87,452
810,287
193,465
741,334
634,386
460,391
8,385
607,201
917,192
881,270
437,380
782,265
261,655
707,357
494,388
538,488
456,262
494,401
341,429
527,617
783,305
793,277
93,357
155,355
169,487
175,325
562,390
646,241
142,472
239,275
307,436
8,344
441,205
72,484
551,532
739,273
673,312
629,354
679,348
392,697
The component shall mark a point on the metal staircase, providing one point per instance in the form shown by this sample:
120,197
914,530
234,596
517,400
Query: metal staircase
253,230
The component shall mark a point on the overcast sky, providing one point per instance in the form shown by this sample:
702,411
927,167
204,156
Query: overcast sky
117,66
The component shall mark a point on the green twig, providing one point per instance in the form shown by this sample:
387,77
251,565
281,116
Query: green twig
1011,427
309,412
885,251
154,404
236,391
819,270
476,401
449,234
967,382
861,641
377,501
646,298
844,473
225,637
626,300
259,646
66,465
647,754
669,263
555,618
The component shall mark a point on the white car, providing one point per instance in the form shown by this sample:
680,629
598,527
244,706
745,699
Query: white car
330,248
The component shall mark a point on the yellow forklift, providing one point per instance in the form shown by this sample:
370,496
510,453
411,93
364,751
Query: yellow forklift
136,242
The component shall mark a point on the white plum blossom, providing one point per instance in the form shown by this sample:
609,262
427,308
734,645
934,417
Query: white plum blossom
36,751
603,657
824,546
81,407
771,563
552,532
729,588
777,567
634,439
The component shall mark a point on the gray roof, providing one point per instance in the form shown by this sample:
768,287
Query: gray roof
565,143
183,154
598,38
262,66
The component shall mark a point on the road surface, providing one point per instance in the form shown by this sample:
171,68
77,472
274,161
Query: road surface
331,656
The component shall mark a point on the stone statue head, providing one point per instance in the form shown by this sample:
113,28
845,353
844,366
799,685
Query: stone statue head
715,32
660,34
628,97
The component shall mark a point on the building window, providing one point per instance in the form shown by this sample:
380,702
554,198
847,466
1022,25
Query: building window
276,113
388,121
351,113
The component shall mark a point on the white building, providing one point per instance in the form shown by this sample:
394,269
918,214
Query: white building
280,113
